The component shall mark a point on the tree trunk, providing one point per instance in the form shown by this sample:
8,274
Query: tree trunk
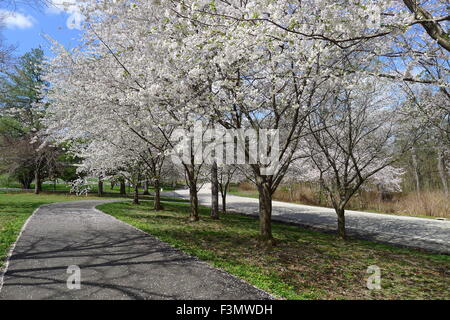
37,182
320,194
100,188
146,193
26,182
223,192
341,223
214,192
193,197
442,170
416,170
265,212
136,194
123,189
157,186
224,202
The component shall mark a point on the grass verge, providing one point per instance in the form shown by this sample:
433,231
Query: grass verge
305,264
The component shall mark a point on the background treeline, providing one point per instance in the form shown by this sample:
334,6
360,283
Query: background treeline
24,154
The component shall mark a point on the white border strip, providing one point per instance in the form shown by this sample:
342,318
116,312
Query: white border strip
11,249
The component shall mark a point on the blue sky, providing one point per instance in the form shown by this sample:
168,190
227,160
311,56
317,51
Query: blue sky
26,26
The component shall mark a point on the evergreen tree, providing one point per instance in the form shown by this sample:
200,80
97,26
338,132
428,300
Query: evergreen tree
22,108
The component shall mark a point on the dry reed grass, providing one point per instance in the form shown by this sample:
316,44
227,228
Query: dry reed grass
427,203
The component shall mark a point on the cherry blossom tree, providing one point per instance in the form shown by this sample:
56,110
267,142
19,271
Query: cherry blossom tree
146,68
263,75
226,175
352,142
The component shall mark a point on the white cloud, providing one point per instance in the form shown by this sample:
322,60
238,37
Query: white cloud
13,20
71,8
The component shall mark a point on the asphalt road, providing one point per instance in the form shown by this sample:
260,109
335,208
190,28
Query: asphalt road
116,261
429,234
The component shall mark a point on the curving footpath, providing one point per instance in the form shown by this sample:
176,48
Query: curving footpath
427,234
116,261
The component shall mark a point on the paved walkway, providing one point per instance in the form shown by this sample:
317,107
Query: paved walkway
116,260
429,234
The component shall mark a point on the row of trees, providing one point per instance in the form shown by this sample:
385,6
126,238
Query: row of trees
350,87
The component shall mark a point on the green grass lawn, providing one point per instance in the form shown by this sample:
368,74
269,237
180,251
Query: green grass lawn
15,208
6,182
304,264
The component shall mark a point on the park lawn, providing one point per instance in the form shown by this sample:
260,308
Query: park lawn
305,264
16,208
